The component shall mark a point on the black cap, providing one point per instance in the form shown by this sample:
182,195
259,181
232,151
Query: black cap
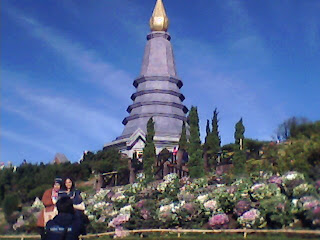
58,180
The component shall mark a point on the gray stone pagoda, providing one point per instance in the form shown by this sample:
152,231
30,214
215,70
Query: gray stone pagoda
157,94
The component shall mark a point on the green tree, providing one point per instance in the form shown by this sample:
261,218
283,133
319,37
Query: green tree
149,152
239,133
183,138
206,147
214,140
305,130
10,204
208,130
105,161
239,162
212,144
239,157
289,127
195,163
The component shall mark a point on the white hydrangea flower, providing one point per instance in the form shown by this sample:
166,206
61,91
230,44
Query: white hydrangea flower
202,198
170,177
37,204
126,209
211,205
295,202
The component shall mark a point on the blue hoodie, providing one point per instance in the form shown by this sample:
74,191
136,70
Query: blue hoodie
64,226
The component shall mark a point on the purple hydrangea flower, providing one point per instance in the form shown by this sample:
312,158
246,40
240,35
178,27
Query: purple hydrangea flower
189,207
141,203
275,179
241,207
145,213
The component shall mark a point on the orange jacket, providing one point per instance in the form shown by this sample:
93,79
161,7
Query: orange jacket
49,206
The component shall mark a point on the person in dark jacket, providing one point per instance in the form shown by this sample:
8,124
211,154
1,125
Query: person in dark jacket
66,225
68,189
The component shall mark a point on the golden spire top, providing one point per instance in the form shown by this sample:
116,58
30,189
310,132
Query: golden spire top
159,20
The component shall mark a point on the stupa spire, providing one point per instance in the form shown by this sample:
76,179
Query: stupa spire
159,20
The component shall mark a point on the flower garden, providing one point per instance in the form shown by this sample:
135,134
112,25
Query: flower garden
262,201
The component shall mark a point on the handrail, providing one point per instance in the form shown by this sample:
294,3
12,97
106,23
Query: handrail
179,231
109,173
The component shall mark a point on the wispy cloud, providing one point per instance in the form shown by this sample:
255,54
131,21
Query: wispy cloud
65,124
20,138
53,111
86,60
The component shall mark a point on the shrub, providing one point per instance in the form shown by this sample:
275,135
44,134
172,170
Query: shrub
38,191
10,204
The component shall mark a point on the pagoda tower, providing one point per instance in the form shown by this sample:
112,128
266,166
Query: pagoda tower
157,93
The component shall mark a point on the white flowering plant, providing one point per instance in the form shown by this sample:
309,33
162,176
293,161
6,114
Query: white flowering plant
303,189
251,219
292,179
262,191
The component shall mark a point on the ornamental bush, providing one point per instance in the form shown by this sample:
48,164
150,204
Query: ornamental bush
258,202
10,204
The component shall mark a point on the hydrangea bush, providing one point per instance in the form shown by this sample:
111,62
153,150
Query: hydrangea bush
261,201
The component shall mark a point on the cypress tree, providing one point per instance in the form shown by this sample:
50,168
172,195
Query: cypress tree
208,131
183,138
239,158
206,147
195,163
149,152
215,126
239,133
213,142
208,128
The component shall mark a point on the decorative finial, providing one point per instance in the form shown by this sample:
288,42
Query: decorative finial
159,20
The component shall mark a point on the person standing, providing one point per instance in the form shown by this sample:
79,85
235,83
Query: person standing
49,200
174,153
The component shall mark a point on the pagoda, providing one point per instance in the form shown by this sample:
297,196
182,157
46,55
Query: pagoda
157,94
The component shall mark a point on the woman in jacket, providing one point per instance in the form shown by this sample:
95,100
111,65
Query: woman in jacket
49,200
68,189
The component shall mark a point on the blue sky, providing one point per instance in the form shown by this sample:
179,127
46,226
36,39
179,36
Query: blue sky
67,68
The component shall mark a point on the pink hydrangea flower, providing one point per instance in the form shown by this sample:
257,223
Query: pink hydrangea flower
145,213
120,219
141,203
251,215
275,179
312,204
120,232
219,221
316,211
189,207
